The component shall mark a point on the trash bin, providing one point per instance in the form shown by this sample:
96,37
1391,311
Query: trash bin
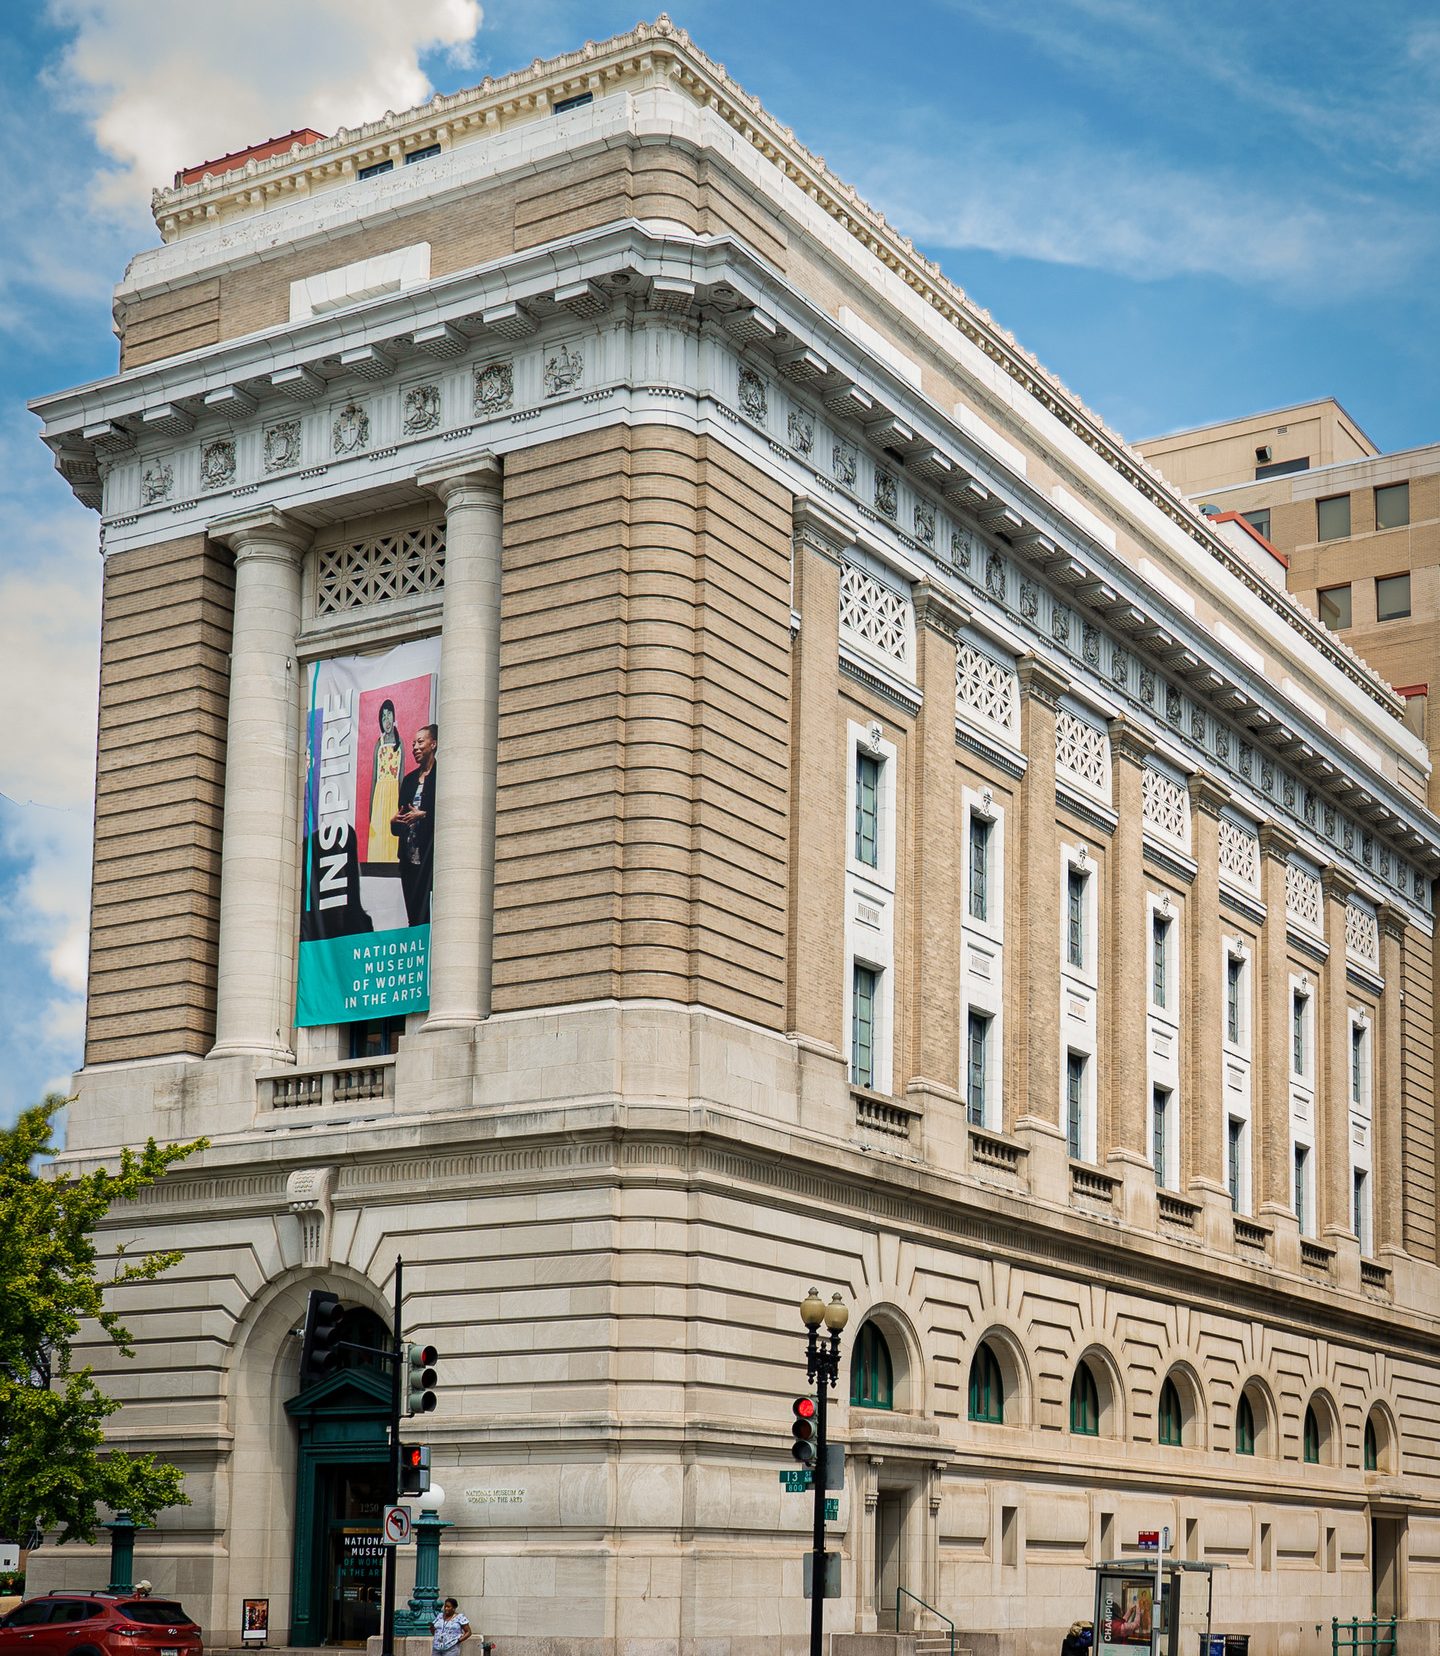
1237,1644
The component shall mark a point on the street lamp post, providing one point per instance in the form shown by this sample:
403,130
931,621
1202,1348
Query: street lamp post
822,1365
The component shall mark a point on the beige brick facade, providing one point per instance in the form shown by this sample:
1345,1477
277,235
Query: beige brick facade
926,864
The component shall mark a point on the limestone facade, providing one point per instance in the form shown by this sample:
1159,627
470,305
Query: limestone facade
891,842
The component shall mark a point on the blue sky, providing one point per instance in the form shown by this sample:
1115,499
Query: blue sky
1188,211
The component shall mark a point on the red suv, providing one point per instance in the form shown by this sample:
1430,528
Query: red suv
98,1624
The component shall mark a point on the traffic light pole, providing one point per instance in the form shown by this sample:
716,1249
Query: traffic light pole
817,1576
392,1482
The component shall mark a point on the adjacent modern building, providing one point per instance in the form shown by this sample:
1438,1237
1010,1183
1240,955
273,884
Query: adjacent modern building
652,757
1357,531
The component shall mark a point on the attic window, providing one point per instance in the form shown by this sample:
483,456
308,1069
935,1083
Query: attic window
577,102
422,154
377,169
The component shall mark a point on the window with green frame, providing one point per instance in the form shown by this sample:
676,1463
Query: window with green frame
1172,1417
1084,1403
1311,1447
872,1375
1372,1446
987,1388
1244,1427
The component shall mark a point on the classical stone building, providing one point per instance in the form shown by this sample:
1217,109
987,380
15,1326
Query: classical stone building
1358,531
882,837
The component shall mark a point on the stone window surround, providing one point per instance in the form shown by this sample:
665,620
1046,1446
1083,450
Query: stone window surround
985,941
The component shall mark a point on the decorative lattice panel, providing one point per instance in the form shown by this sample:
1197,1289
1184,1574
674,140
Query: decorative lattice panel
1165,807
1362,935
1082,752
1302,897
875,614
371,571
1239,855
985,689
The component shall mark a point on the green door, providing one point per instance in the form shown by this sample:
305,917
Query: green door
341,1474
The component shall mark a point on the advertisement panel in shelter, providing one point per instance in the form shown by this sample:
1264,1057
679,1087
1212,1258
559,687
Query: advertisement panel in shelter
370,744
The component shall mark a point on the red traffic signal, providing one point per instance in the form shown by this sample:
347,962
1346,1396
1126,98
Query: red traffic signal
802,1430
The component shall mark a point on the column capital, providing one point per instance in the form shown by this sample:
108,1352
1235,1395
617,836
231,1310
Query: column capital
1392,922
1336,883
264,532
473,479
1207,796
819,528
1276,842
1129,741
939,611
1039,679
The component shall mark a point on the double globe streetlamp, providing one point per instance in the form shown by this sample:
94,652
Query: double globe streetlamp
822,1365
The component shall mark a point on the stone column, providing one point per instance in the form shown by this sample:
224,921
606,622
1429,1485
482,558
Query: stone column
1270,1107
260,852
462,923
1202,1094
1032,1026
1387,1104
1332,1104
1124,980
815,991
931,963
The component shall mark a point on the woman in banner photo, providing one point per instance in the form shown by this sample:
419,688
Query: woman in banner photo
414,824
381,844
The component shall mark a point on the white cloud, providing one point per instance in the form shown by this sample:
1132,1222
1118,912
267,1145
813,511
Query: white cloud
166,84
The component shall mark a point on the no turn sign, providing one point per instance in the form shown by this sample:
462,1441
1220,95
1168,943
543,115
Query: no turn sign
395,1528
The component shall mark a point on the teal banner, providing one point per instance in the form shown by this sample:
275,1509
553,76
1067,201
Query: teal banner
369,834
375,975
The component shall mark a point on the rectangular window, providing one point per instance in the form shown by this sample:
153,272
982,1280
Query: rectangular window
980,831
377,169
864,986
422,154
1159,960
1357,1063
1159,1107
1234,1145
977,1046
1075,883
1335,608
1361,1228
373,1037
1234,980
1074,1104
1392,597
867,810
1282,468
1302,1159
1259,521
1392,506
577,102
1299,1005
1332,518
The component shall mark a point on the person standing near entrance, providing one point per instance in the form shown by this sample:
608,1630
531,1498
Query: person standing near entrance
451,1628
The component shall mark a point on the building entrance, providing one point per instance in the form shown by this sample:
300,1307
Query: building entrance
889,1544
1386,1552
341,1469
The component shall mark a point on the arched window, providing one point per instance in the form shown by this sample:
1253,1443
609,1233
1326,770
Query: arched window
1172,1417
1372,1446
1084,1403
872,1376
1244,1427
1312,1437
987,1388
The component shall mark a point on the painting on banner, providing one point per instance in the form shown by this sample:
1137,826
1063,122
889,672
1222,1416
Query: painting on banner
371,746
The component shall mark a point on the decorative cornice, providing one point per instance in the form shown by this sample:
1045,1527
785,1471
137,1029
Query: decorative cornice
1009,764
1337,884
940,612
464,479
1128,741
1392,922
1208,798
819,528
1277,842
1167,857
262,533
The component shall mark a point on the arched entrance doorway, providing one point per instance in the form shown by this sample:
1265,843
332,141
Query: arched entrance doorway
341,1473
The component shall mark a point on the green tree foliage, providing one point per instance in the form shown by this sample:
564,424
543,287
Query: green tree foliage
54,1468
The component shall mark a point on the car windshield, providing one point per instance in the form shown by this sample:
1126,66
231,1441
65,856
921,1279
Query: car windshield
154,1612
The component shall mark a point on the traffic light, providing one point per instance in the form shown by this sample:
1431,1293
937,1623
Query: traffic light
319,1347
414,1468
420,1379
803,1430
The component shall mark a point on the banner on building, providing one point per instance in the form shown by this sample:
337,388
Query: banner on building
368,861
